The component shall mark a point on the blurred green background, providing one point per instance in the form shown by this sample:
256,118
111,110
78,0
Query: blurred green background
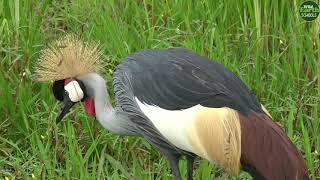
266,43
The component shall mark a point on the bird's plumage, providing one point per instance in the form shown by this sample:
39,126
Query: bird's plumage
211,133
267,151
177,78
173,80
183,103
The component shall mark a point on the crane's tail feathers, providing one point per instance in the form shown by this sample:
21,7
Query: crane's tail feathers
67,57
216,136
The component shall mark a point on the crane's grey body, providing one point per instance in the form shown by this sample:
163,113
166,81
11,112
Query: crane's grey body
177,78
172,79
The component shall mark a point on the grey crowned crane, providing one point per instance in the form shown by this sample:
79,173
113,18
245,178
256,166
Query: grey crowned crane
182,103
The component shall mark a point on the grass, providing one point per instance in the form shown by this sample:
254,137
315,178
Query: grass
265,42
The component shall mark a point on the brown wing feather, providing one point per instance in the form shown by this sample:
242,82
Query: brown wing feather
268,150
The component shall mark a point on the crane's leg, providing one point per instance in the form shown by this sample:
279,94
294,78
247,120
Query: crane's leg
174,163
190,161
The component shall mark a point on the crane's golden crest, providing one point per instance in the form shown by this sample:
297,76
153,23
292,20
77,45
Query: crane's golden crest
66,58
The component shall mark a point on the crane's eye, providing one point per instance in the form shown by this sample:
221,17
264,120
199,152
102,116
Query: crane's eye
74,91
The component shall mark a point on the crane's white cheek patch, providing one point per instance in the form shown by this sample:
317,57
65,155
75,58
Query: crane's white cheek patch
74,90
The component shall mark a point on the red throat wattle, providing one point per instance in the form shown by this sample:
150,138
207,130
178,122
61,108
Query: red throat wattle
89,106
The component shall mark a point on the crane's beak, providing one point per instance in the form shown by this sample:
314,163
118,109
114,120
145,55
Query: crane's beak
67,104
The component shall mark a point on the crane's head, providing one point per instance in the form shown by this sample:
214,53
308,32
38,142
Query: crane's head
69,92
63,61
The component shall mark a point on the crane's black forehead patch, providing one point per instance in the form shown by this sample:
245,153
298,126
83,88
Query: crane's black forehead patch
58,89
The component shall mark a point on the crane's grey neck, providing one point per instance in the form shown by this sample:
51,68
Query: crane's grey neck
109,117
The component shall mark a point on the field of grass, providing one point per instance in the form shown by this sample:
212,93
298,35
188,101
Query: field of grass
266,43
